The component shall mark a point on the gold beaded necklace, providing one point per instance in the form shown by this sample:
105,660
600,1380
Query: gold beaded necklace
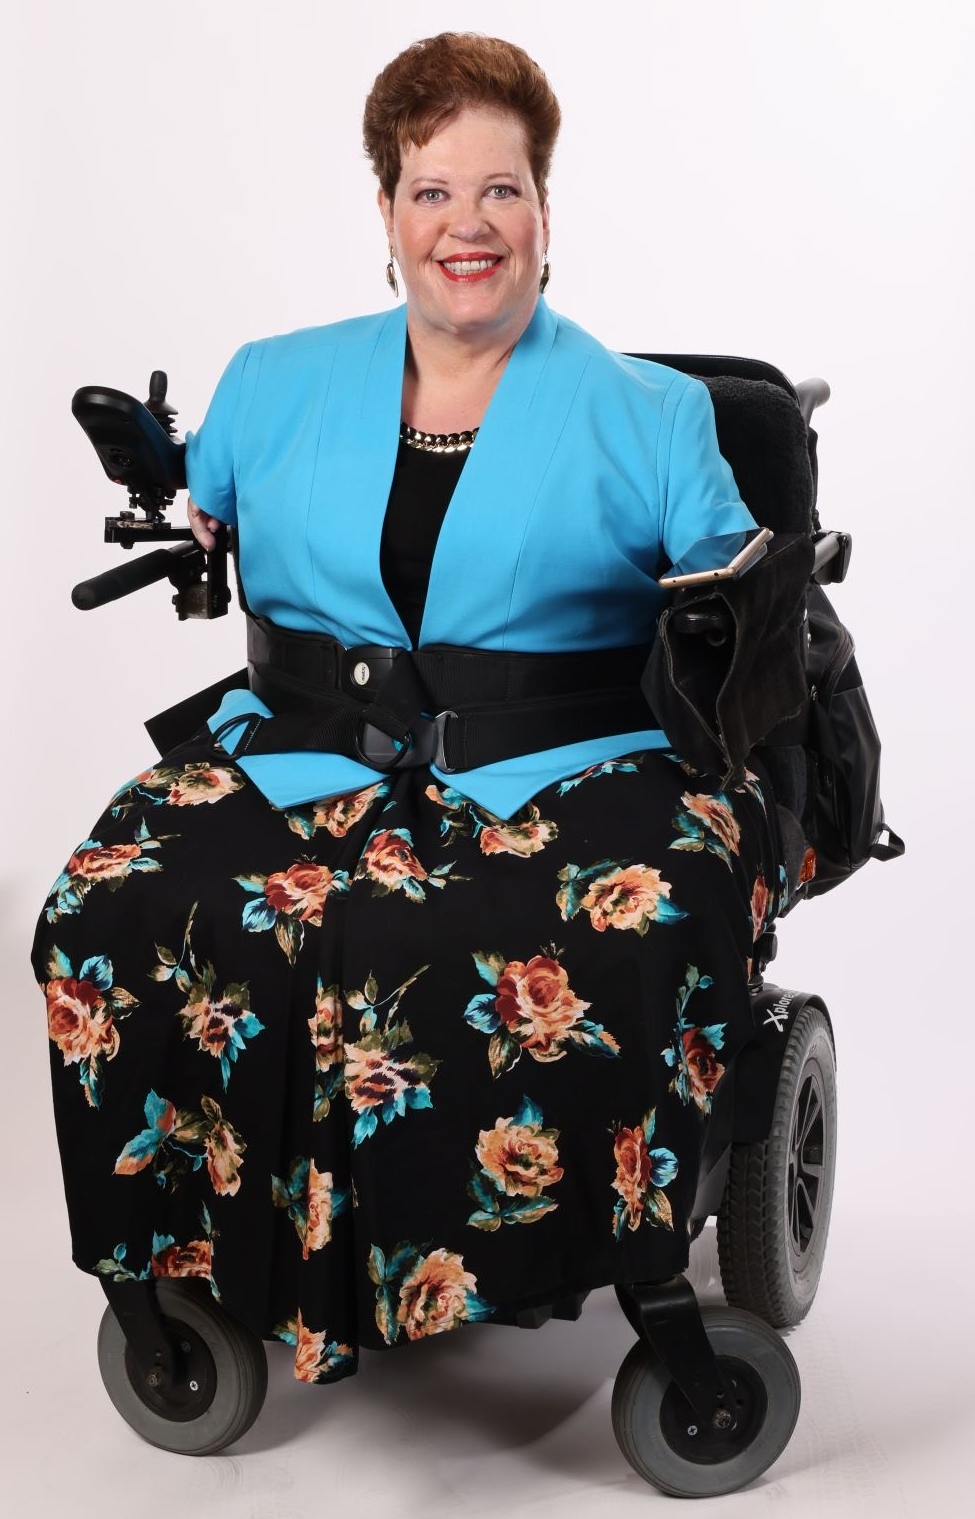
437,442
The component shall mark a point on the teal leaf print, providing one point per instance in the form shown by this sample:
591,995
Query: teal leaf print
140,1151
527,1112
258,916
482,1014
365,1126
490,967
692,1054
97,970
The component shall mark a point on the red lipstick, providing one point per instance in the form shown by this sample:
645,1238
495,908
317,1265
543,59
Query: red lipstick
471,258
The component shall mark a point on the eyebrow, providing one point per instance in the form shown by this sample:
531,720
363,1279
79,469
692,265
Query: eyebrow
434,179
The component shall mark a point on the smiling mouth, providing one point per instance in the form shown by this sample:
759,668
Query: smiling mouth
470,268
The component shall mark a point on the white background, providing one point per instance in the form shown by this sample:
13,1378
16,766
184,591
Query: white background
791,182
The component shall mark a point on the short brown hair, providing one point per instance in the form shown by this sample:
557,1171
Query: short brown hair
431,80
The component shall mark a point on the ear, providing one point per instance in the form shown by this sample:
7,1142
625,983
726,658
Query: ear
545,223
386,212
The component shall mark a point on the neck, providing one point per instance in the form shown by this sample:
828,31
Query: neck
449,377
445,356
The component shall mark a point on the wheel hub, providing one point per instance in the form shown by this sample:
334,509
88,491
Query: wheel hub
807,1149
733,1426
187,1395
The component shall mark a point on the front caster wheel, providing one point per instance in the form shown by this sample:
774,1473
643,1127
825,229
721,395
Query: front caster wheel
222,1379
665,1442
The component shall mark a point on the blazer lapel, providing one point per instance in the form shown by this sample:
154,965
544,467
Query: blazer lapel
357,459
482,533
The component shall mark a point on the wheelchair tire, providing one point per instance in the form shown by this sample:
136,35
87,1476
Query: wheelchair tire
225,1381
774,1215
658,1432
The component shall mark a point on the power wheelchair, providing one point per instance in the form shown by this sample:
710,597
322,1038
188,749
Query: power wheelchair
705,1401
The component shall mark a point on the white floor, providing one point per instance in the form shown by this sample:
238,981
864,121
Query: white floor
492,1419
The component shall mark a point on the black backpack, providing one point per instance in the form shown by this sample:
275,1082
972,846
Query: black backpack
843,819
718,703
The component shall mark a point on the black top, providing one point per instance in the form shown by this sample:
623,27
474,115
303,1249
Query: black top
423,484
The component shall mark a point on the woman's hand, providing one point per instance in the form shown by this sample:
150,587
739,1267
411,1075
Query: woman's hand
203,527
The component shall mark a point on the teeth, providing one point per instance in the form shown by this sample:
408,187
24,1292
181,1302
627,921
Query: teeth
469,265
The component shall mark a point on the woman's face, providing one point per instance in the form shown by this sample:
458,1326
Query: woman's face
468,230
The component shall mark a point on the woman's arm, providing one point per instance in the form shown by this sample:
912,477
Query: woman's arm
703,518
210,456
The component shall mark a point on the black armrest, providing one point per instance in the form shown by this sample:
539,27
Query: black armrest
832,557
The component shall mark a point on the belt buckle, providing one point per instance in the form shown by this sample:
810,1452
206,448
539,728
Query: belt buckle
426,747
439,758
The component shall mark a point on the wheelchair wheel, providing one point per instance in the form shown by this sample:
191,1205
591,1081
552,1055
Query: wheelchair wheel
774,1214
223,1380
660,1436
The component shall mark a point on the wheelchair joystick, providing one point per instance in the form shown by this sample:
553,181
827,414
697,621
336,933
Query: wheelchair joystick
164,413
138,447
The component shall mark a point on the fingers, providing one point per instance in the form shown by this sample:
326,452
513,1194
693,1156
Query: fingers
203,527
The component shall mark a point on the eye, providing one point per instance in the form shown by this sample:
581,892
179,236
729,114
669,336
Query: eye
502,192
430,197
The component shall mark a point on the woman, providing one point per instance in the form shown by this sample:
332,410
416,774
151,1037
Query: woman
451,943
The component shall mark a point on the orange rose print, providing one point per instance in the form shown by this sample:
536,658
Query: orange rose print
537,1005
532,1008
433,1298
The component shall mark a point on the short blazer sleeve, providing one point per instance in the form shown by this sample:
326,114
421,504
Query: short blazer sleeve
211,451
703,518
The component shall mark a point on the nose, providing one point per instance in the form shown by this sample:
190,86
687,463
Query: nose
467,218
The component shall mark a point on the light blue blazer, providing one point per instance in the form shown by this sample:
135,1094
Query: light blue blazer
589,472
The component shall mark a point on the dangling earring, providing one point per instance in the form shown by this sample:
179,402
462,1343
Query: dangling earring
546,274
391,274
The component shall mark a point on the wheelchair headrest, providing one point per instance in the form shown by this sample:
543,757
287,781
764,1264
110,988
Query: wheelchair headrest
764,438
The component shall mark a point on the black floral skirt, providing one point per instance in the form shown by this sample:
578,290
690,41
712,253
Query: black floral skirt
385,1065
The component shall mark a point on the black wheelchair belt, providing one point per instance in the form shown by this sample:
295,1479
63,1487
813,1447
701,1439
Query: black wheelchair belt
456,708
